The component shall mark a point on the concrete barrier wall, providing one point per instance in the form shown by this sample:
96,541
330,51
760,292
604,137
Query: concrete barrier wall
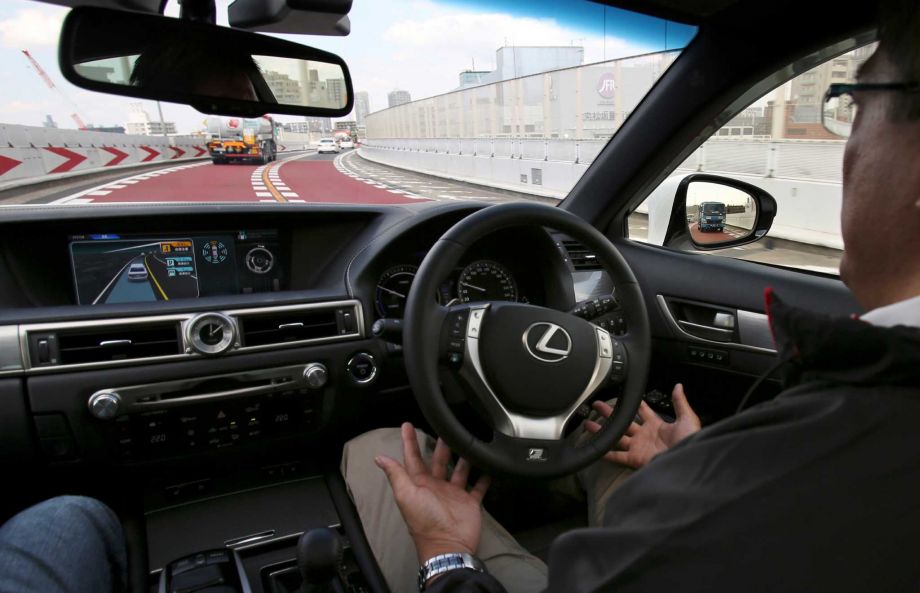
552,179
39,153
808,211
30,154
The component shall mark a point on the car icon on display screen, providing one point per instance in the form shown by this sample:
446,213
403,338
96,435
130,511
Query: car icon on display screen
137,272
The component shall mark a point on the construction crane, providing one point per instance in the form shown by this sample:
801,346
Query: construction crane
44,76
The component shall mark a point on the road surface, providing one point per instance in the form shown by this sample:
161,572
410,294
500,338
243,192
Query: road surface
296,178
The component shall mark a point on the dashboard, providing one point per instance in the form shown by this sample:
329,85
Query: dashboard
150,336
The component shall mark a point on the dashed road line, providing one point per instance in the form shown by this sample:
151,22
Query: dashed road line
83,197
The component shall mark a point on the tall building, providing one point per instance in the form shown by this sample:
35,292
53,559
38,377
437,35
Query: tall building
287,91
362,106
397,97
310,124
139,122
49,122
336,91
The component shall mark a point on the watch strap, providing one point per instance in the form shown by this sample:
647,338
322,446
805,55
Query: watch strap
443,563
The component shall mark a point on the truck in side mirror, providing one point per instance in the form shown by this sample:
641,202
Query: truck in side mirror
714,212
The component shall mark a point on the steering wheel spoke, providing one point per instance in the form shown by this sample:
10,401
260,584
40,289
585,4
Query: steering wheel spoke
465,328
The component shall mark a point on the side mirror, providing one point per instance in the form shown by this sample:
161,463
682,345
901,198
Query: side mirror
713,212
214,69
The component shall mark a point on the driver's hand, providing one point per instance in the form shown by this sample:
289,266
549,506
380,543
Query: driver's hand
644,441
442,515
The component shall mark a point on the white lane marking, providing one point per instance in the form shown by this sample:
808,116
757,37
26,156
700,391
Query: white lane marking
98,192
298,201
115,186
81,201
263,194
289,194
270,201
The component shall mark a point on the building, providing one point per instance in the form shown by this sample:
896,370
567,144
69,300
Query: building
287,91
336,92
472,77
802,110
140,123
397,97
110,129
49,122
362,106
310,124
346,126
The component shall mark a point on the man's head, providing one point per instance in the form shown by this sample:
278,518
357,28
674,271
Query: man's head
881,174
185,66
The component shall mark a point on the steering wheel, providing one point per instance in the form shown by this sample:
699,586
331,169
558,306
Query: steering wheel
529,367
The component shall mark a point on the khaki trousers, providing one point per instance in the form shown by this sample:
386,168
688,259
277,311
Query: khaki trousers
513,566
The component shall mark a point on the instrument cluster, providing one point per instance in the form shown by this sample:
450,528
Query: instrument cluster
480,280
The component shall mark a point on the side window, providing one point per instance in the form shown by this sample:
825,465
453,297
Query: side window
779,144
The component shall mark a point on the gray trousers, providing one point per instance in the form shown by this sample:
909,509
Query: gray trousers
517,569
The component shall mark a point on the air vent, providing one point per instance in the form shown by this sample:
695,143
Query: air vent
280,327
580,256
105,344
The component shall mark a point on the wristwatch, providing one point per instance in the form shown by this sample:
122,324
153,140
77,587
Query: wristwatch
445,563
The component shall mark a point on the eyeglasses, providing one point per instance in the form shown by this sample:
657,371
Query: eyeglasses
839,111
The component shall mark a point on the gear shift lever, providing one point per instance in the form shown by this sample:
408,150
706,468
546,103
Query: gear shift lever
319,555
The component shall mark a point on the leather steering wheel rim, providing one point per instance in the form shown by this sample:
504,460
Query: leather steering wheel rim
425,319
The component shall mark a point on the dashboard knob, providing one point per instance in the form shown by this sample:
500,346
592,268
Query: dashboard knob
362,367
104,404
315,375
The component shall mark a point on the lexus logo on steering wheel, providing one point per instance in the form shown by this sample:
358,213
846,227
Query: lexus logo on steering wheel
547,342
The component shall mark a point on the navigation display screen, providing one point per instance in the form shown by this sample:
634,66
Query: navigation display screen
111,268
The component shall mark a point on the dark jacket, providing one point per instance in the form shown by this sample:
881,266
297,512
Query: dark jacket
816,490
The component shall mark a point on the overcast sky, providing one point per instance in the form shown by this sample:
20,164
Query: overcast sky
415,45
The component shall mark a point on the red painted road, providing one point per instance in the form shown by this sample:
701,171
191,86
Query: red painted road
319,181
300,180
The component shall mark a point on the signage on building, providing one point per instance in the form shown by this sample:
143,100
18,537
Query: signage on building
597,116
606,87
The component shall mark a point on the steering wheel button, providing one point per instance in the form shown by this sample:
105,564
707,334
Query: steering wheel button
455,346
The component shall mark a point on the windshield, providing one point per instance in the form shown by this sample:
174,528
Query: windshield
454,100
713,208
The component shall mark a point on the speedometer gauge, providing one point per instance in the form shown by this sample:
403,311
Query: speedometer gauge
393,290
486,280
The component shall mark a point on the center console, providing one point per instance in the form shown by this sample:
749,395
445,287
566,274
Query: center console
301,536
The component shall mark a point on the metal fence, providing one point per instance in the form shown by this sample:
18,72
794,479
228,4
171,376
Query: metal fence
812,160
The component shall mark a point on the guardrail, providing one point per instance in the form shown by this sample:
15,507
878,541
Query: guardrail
33,153
811,160
545,149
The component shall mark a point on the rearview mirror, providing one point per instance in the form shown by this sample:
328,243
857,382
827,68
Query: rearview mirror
714,212
214,69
